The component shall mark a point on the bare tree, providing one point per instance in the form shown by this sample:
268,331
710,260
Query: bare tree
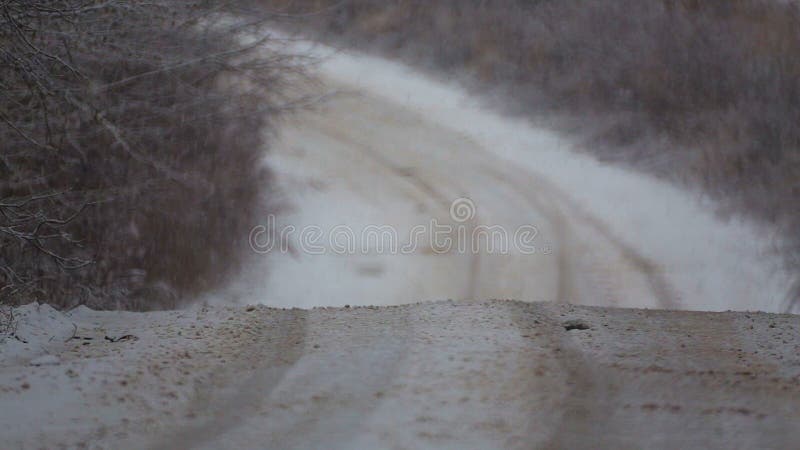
130,140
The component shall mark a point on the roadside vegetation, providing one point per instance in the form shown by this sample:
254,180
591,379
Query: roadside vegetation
700,92
131,140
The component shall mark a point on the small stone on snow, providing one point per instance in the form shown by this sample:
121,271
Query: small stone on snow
46,360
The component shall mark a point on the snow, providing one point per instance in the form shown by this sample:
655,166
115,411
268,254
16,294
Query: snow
35,329
489,374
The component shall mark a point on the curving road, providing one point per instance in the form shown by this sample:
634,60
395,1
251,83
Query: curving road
390,148
376,163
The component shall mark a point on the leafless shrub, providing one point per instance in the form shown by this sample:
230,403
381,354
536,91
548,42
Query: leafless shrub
131,135
717,82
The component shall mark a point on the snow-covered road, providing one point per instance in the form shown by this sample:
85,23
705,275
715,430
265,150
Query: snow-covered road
395,150
459,374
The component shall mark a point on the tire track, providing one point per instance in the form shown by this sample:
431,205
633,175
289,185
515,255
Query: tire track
225,401
402,175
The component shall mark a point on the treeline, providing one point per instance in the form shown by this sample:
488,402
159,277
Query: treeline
704,91
131,141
